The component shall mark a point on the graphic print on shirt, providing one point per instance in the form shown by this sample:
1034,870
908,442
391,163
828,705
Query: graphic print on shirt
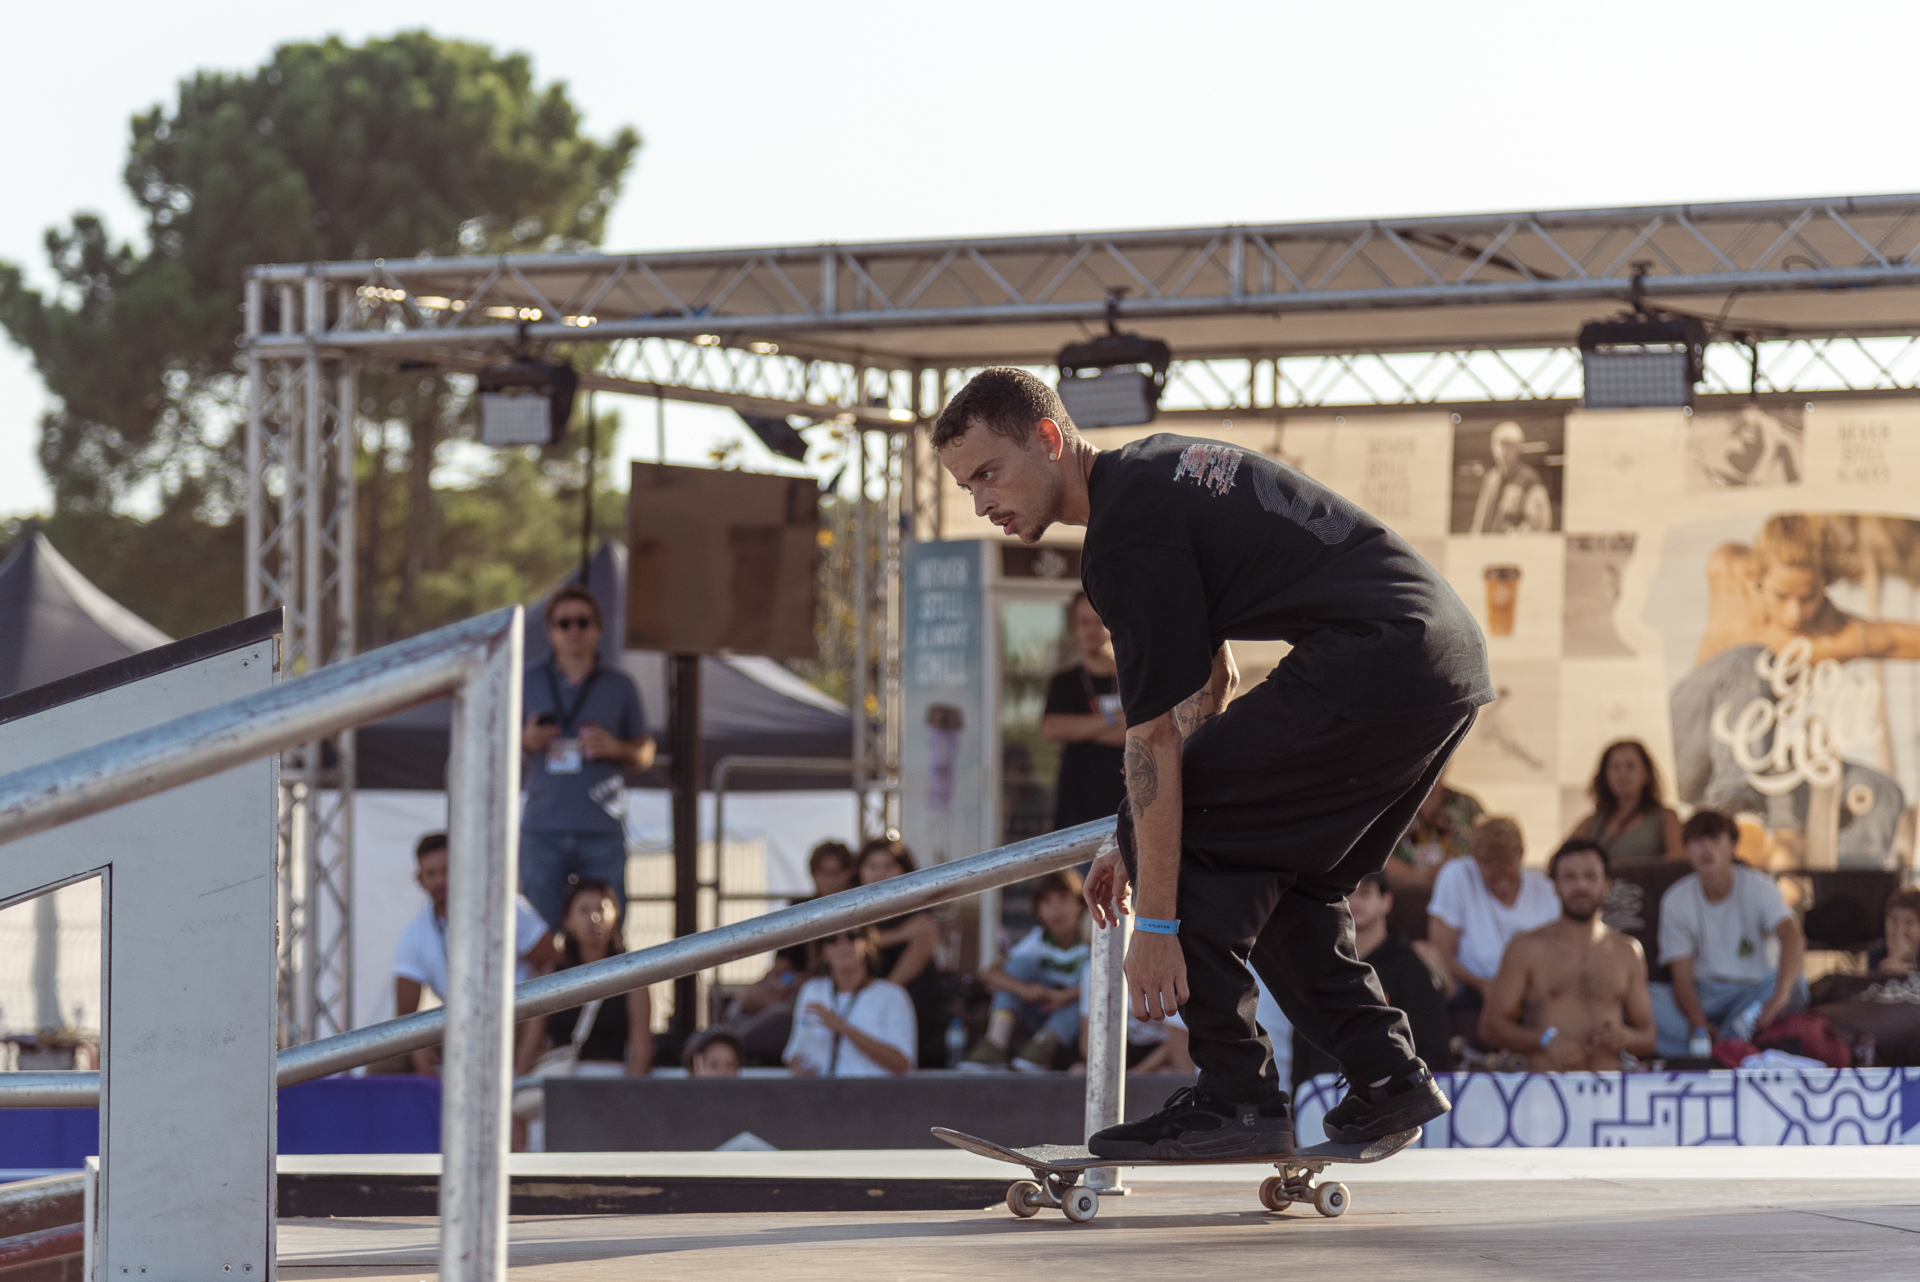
1212,467
1331,529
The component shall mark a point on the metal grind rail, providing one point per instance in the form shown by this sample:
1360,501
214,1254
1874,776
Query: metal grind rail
478,662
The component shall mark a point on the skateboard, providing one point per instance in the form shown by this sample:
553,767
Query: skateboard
1057,1169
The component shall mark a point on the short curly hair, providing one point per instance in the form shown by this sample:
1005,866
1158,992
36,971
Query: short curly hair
1496,840
1005,401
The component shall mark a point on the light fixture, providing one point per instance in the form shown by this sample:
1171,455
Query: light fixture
526,402
1641,361
1114,380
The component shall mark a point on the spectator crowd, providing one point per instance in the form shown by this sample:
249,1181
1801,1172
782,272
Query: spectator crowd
1644,939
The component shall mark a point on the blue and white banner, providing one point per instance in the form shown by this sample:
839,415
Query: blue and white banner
1609,1110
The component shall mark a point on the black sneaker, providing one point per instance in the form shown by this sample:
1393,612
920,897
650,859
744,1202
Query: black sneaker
1408,1099
1194,1127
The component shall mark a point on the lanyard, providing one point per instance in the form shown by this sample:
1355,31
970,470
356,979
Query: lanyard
560,709
853,1000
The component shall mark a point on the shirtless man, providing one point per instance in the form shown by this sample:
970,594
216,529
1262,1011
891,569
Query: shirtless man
1573,994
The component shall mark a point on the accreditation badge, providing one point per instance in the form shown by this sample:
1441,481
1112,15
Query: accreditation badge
563,757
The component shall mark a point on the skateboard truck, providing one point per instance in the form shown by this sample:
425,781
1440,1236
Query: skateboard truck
1298,1182
1060,1190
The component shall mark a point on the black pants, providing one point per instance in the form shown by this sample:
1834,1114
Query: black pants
1287,805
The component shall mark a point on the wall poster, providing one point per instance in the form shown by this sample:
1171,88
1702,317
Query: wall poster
1738,588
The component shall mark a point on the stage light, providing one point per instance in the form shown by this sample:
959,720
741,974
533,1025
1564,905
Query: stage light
1641,362
1114,380
527,402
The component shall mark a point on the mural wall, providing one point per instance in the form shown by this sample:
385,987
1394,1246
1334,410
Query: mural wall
1737,589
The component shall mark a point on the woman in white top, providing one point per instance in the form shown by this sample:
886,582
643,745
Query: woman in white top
848,1023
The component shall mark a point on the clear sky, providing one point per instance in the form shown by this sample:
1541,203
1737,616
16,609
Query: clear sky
850,120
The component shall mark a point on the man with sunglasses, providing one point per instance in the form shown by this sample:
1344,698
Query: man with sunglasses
584,728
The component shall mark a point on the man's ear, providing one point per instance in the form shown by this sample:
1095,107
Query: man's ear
1052,441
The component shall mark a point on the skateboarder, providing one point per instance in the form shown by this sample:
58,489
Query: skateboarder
1244,829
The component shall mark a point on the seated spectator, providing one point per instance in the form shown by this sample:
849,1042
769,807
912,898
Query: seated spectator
1731,941
905,948
1037,985
605,1038
1437,837
712,1052
762,1014
1628,820
1572,995
1409,982
1898,952
1480,903
847,1022
421,959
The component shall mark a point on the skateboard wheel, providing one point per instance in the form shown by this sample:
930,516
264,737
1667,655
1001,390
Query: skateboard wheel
1273,1194
1330,1200
1080,1204
1023,1198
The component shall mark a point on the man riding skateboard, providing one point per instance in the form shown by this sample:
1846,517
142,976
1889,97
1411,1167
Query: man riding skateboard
1245,828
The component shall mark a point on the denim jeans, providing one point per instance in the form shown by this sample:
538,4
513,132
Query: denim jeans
547,859
1063,1023
1720,1001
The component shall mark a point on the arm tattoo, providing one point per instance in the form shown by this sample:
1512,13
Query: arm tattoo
1192,710
1143,775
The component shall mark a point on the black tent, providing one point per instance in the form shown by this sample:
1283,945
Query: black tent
54,623
748,707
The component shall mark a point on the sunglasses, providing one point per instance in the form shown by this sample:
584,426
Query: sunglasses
568,622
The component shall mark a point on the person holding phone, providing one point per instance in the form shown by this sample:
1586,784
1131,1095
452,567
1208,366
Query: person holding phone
584,728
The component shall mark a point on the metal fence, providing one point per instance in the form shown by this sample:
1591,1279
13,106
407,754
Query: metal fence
478,663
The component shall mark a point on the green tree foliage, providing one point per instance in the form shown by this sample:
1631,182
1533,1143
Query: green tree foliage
392,148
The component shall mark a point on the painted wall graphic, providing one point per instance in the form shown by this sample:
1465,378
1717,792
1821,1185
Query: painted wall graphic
1738,589
1595,579
1753,446
1614,1110
1507,475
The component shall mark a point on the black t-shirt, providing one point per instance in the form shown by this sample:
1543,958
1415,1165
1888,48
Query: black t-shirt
607,1041
1191,543
1409,985
1090,785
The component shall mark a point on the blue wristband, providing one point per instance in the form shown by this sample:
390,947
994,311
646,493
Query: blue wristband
1157,925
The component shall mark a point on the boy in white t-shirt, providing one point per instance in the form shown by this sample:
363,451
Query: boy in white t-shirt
1732,943
1038,983
1482,902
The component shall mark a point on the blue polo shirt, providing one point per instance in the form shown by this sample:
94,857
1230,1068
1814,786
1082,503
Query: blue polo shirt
595,799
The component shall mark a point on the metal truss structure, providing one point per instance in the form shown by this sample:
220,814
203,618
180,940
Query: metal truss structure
302,407
1803,297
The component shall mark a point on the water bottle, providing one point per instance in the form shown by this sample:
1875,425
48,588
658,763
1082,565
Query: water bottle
1742,1026
1863,1050
1700,1045
956,1042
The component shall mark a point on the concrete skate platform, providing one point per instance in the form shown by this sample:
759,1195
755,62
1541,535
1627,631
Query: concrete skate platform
1642,1213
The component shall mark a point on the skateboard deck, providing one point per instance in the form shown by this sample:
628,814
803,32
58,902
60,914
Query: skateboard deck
1057,1169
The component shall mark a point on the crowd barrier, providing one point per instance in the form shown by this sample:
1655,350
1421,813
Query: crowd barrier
1611,1110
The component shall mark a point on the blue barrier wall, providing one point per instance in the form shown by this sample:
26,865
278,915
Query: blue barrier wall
382,1114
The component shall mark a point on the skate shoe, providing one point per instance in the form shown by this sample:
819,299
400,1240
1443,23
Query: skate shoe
1405,1100
1198,1127
985,1058
1037,1055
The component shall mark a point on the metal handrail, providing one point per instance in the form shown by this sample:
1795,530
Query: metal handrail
478,664
861,906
